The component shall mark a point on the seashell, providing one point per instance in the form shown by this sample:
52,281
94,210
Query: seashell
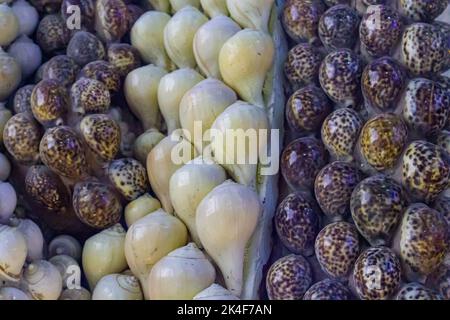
129,177
49,102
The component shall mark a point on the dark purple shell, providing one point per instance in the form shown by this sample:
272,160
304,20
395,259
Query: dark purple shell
52,35
104,72
112,20
84,47
61,68
123,57
416,291
302,65
328,289
22,99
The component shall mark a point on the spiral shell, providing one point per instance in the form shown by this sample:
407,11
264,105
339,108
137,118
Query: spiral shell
377,274
328,289
75,294
289,278
49,102
297,224
382,141
104,72
61,68
22,99
376,205
63,152
340,77
96,204
333,188
416,291
111,19
129,177
302,65
21,137
307,108
425,170
337,247
52,35
117,287
90,96
46,188
65,244
43,280
84,47
424,238
124,58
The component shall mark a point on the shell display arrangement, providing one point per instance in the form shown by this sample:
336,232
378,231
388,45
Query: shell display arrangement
94,207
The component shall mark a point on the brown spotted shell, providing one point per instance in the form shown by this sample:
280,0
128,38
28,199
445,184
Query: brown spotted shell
288,278
89,96
96,204
382,83
21,137
52,35
301,19
46,188
87,11
61,68
340,132
49,102
377,204
129,177
377,274
102,134
424,238
426,106
338,27
111,19
426,170
302,65
328,289
333,188
123,57
380,30
424,49
84,47
104,72
336,248
307,108
422,10
382,141
22,99
63,152
301,160
297,224
340,77
416,291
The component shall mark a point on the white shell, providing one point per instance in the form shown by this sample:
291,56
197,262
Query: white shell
10,293
117,287
215,292
180,4
65,244
13,252
8,201
43,280
5,167
67,267
27,15
27,54
33,236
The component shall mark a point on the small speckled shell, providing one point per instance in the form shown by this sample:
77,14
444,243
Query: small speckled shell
46,188
333,187
129,177
424,49
104,72
49,102
442,204
443,140
337,247
302,65
426,106
84,47
61,68
338,27
382,83
123,57
301,160
301,19
52,34
307,108
21,137
424,238
111,19
422,10
328,289
96,204
340,132
89,96
62,151
102,135
289,278
297,224
426,170
382,141
340,77
380,30
377,204
416,291
22,99
377,274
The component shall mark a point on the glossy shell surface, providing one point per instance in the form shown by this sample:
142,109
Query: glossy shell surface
22,99
328,289
61,68
123,57
52,35
104,72
111,19
89,96
129,177
49,102
416,291
302,65
85,47
422,10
